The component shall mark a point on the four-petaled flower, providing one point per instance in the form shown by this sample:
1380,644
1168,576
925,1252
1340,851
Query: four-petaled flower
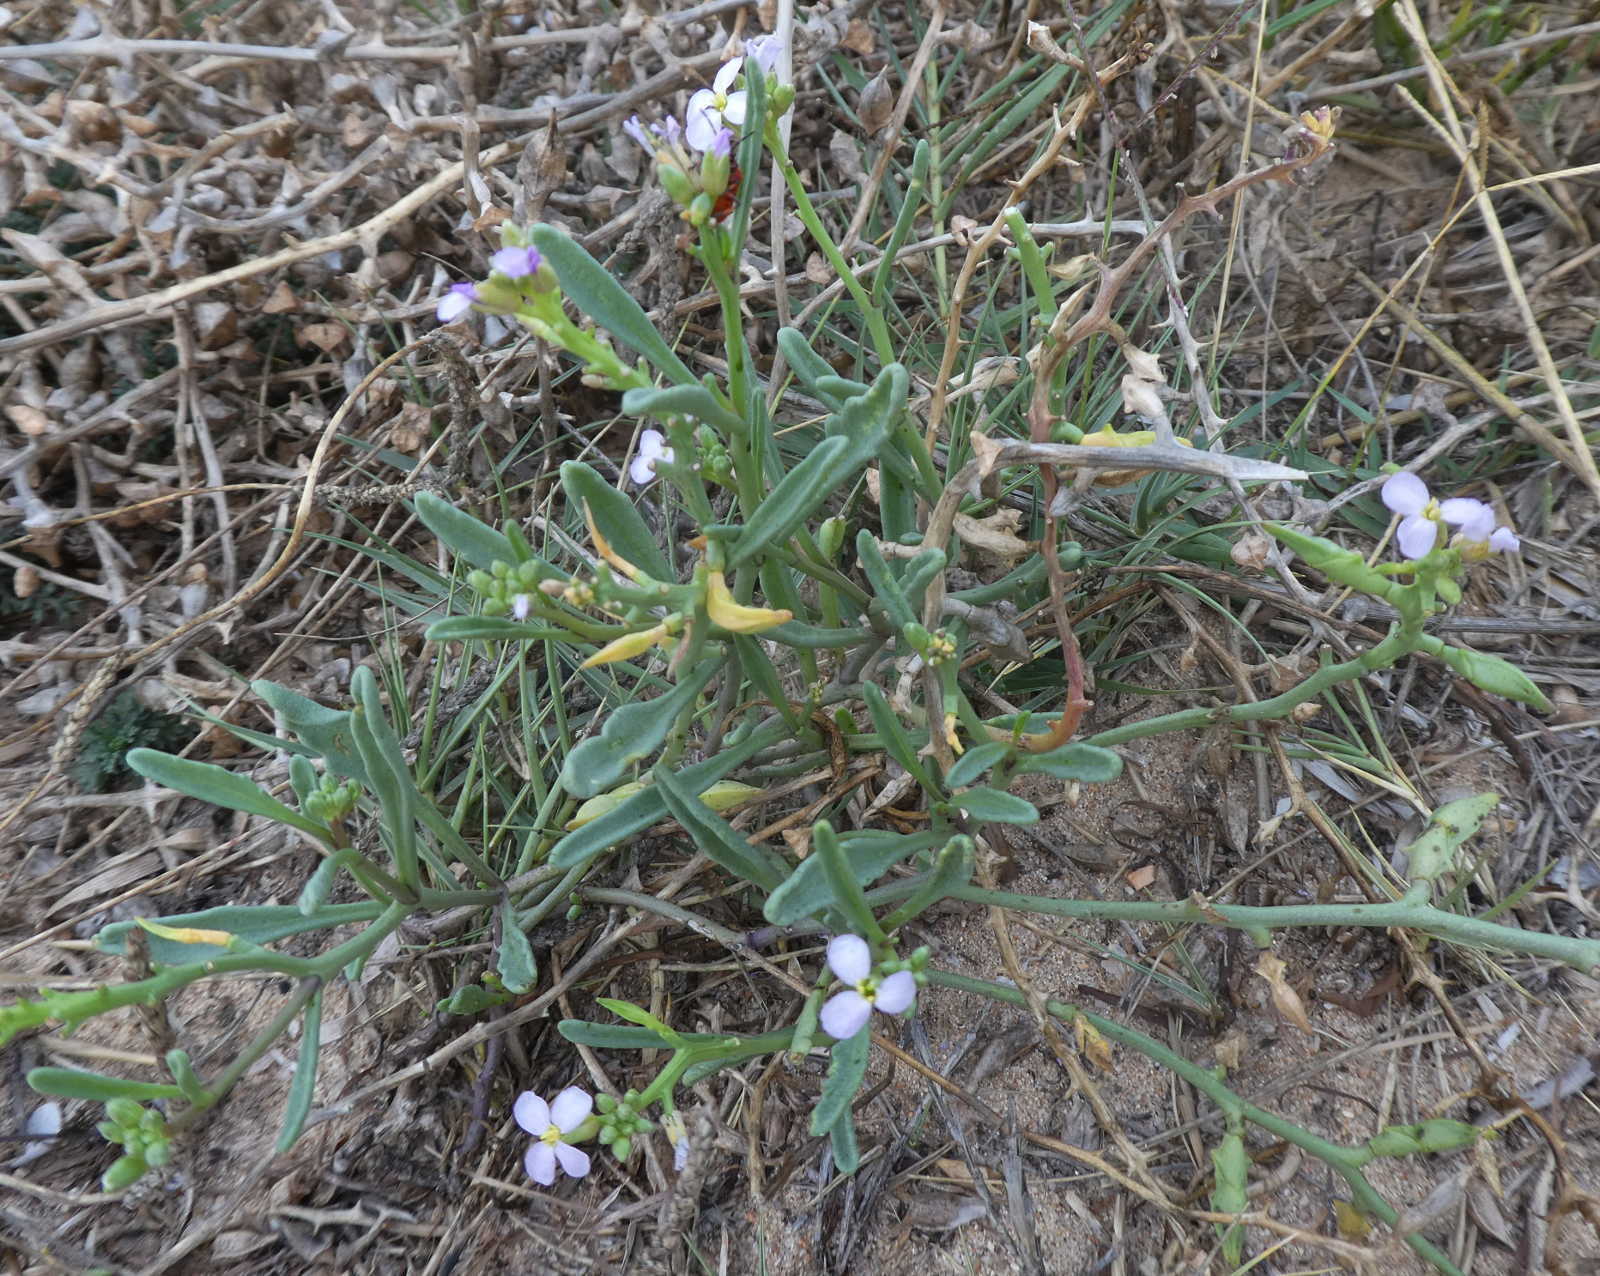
715,108
652,449
1420,516
456,302
549,1123
846,1013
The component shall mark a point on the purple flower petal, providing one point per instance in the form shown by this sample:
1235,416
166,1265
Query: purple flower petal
571,1109
456,302
896,993
766,51
575,1161
722,145
1505,540
1405,493
633,126
532,1113
850,957
516,263
844,1014
1417,536
540,1162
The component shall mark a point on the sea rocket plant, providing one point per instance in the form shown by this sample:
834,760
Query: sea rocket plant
551,1124
846,1013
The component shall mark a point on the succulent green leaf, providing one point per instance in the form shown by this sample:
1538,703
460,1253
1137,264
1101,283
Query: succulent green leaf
714,835
974,762
468,537
70,1083
1086,762
220,787
303,1087
515,963
695,401
870,854
616,516
993,805
639,1015
632,733
847,1068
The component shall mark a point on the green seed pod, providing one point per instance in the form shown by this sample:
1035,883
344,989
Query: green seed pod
830,537
680,190
480,580
622,1147
1397,1140
1231,1162
499,570
605,1104
1444,1135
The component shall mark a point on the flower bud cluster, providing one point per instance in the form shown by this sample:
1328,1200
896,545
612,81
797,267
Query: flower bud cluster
519,278
507,590
143,1133
332,799
620,1122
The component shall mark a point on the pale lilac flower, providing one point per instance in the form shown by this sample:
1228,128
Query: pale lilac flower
766,51
652,449
722,144
549,1123
845,1013
521,605
1407,495
456,302
715,108
516,263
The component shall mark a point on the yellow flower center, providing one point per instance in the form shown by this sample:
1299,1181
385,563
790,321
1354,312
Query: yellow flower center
552,1136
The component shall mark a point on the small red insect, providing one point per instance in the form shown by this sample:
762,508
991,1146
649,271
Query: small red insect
727,199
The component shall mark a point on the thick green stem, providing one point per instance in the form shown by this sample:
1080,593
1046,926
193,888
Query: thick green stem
1412,912
1393,648
1345,1161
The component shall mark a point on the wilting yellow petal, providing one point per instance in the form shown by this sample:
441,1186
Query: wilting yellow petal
603,547
626,647
187,934
736,617
951,738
